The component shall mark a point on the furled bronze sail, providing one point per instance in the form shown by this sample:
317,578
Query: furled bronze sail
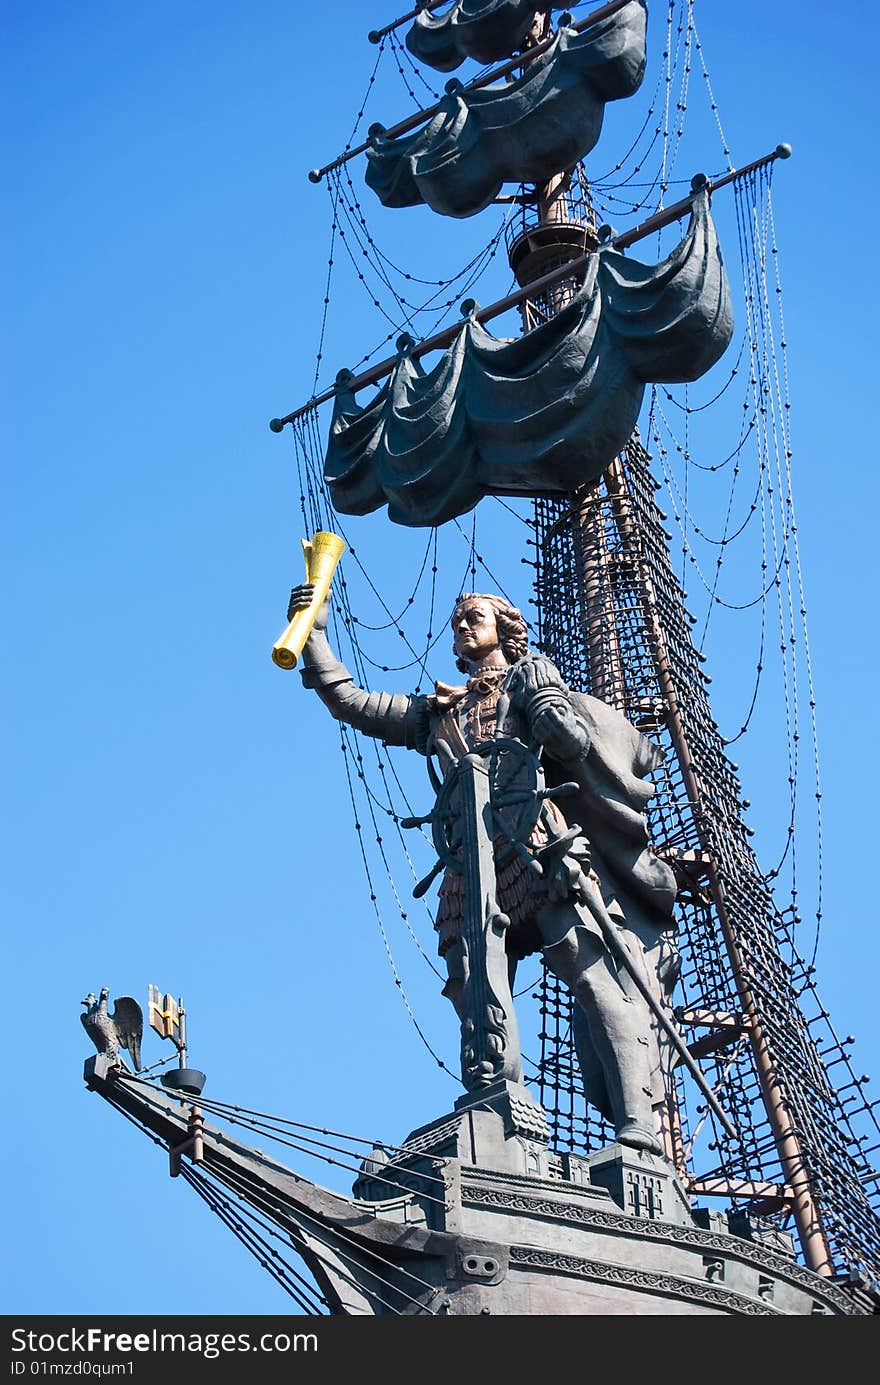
485,30
547,118
542,413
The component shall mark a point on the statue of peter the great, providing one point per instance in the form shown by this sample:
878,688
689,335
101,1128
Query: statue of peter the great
599,881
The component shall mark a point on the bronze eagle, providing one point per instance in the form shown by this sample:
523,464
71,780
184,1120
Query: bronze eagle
123,1029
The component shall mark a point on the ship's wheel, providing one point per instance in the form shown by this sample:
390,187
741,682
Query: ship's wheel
516,797
516,802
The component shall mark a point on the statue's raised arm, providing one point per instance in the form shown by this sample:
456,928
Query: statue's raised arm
396,718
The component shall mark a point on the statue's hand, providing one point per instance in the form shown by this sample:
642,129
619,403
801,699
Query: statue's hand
540,691
565,875
535,675
565,880
301,598
560,731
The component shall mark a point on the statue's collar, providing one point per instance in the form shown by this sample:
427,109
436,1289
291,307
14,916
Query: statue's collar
448,695
488,679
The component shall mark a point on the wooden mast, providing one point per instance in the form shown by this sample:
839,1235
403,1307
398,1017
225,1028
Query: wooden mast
607,679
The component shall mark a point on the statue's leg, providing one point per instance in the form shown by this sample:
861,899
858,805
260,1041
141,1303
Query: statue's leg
591,1068
616,1026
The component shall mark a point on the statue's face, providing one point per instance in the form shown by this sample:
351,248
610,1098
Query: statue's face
475,631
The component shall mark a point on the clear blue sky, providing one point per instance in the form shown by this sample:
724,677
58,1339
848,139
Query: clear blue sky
176,810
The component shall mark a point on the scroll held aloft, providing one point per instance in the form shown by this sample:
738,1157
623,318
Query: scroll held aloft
321,555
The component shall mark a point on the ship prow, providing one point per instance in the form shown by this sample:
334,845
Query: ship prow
474,1214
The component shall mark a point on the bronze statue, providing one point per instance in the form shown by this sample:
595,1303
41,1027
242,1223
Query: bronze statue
584,887
109,1033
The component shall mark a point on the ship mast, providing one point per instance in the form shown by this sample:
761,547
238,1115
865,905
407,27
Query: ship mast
561,233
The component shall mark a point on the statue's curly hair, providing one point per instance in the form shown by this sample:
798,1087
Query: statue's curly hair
512,628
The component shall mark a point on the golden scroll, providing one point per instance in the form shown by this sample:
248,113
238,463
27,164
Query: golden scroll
321,555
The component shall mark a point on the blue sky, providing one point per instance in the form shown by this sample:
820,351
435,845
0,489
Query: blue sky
176,806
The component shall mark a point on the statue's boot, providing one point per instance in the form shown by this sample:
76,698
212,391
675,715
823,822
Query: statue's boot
638,1136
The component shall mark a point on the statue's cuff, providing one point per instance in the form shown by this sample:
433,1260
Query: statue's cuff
546,700
572,739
